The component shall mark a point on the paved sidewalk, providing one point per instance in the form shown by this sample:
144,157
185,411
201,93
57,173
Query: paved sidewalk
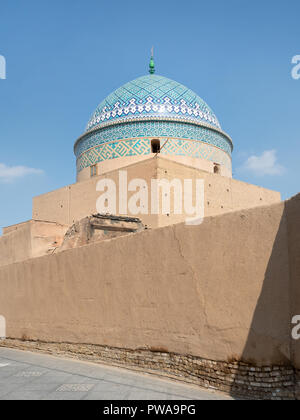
34,376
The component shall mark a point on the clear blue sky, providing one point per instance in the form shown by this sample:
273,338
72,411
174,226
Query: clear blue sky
64,57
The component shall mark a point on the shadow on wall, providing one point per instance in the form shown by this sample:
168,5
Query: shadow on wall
270,340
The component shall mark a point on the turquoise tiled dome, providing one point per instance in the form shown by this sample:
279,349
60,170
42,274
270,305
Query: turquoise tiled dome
152,107
149,97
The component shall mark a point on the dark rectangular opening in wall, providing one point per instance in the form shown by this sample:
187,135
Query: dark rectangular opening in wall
93,170
155,146
217,168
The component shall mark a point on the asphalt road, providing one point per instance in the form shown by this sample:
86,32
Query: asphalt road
34,376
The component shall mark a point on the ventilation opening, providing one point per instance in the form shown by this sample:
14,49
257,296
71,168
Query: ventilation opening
93,170
217,168
155,146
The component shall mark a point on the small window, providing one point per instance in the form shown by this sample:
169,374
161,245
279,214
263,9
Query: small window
93,170
217,168
155,146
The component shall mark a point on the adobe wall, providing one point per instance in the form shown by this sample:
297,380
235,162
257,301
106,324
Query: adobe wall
196,290
74,202
292,209
222,194
120,163
28,240
15,244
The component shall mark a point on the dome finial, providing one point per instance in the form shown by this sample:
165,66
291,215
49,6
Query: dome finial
151,65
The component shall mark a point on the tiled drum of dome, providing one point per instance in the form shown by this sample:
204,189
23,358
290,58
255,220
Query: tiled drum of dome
153,129
141,147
